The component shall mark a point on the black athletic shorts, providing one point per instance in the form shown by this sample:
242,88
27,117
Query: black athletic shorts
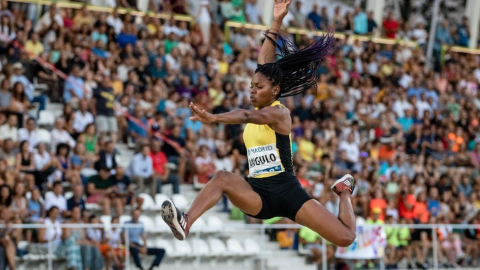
282,195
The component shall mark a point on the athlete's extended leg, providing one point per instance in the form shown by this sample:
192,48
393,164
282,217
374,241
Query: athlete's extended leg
338,230
233,186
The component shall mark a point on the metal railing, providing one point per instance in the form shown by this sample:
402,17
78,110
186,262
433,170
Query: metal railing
260,228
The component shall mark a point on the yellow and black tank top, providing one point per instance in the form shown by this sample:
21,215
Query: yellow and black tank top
269,153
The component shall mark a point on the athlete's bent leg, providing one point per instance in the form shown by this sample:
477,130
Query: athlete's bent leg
234,187
339,231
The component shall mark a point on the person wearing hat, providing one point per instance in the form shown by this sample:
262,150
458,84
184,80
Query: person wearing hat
375,218
18,76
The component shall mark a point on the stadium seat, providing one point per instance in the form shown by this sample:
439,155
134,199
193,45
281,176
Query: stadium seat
48,194
46,119
199,226
124,218
235,248
148,203
107,222
200,248
44,135
251,247
92,206
28,195
148,223
183,248
217,247
197,185
162,243
68,195
214,224
180,201
161,226
159,199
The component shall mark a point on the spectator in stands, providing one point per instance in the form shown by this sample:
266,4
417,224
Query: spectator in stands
57,199
82,118
463,33
141,169
7,153
314,20
60,135
137,233
360,22
124,190
104,109
6,241
390,26
372,26
77,199
46,166
107,158
24,164
19,76
101,190
162,173
29,134
9,130
204,166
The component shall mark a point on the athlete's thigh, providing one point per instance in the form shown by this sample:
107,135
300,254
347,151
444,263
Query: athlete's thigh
240,193
316,217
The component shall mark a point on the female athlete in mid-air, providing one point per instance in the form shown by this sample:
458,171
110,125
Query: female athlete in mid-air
272,189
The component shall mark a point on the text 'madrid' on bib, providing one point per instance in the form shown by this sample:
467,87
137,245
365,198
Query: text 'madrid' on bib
264,159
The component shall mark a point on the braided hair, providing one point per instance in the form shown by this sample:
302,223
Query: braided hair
296,71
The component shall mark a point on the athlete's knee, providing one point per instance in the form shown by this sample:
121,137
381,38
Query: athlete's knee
220,177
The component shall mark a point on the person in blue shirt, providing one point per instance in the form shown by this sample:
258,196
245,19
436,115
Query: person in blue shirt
126,36
433,205
360,22
135,129
463,33
77,199
314,20
136,248
73,85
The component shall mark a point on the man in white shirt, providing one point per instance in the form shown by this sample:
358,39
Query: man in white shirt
351,149
114,21
141,168
46,20
352,129
422,106
82,117
60,135
29,133
9,130
401,105
57,199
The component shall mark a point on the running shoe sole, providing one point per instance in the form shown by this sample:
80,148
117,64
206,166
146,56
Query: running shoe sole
169,215
345,177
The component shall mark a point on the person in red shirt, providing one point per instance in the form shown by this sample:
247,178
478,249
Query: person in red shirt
406,204
390,26
161,171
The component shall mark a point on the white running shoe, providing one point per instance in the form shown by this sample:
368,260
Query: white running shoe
342,184
175,219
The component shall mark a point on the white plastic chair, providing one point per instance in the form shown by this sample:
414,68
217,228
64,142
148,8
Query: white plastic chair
46,118
28,195
180,201
161,226
148,203
92,206
183,248
217,247
199,226
235,248
214,224
124,218
200,248
107,222
43,135
48,194
251,247
68,195
162,243
159,199
147,223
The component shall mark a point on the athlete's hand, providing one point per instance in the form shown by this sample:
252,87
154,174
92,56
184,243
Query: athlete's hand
201,115
280,9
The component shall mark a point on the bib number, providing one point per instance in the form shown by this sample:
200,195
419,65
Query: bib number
263,159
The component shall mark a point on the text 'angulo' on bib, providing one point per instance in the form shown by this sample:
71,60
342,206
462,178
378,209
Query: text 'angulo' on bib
263,159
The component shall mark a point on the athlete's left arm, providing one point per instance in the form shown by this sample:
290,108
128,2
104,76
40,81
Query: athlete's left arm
272,116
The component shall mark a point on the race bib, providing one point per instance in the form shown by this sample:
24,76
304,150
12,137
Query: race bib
263,159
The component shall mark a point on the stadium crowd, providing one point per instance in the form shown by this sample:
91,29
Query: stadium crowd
407,133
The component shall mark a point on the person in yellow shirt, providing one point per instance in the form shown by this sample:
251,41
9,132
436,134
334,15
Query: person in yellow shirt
322,88
34,45
83,17
306,147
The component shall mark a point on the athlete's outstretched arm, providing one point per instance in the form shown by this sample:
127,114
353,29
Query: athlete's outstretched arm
267,53
266,116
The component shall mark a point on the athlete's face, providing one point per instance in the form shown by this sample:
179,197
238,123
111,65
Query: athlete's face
262,92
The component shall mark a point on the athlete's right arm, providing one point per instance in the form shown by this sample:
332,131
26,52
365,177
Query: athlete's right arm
266,116
267,53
